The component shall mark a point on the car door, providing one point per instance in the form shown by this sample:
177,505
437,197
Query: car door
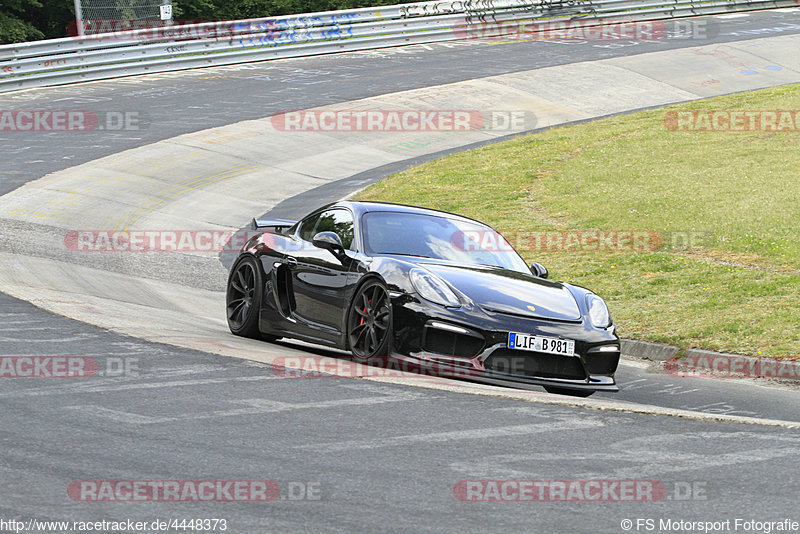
320,276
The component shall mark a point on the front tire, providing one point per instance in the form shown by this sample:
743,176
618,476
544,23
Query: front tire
369,322
243,297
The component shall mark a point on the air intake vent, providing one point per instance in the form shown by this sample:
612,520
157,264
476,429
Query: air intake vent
535,364
451,343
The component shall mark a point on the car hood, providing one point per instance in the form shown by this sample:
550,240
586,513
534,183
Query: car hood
504,291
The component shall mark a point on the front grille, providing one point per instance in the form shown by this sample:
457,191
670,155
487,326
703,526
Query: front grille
451,343
535,364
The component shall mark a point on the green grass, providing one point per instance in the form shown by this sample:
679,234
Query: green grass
736,285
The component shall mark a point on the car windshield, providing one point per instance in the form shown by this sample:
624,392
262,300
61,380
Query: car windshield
438,237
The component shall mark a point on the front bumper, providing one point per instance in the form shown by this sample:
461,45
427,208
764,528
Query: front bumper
472,345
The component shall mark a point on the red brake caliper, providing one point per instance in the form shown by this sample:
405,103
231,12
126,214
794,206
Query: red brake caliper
362,317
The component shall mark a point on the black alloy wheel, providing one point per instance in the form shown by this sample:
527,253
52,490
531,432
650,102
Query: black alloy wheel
243,299
369,322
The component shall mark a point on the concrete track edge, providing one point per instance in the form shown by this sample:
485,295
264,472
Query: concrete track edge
195,181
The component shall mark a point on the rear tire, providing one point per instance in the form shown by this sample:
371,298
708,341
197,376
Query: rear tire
583,393
369,322
243,297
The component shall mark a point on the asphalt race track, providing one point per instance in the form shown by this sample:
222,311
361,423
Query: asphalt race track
351,455
177,103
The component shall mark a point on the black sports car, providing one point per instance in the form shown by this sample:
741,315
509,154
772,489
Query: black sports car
421,286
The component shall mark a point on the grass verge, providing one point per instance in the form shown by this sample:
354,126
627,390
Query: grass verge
724,205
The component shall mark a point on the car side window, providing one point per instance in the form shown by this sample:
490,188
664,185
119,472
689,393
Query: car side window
307,227
338,221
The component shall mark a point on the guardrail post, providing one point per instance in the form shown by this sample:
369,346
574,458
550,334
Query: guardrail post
79,17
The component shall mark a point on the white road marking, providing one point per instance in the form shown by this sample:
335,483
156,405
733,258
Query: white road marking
86,386
655,455
457,435
256,406
45,340
669,389
594,404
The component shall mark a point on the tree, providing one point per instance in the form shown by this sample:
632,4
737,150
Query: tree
29,20
53,18
15,23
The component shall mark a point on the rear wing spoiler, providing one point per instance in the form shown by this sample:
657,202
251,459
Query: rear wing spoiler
271,225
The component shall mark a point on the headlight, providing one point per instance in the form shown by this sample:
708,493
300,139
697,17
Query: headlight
598,311
432,288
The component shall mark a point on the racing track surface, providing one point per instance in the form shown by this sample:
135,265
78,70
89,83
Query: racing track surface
172,104
381,453
361,455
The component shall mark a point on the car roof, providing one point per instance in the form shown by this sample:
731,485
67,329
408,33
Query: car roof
366,206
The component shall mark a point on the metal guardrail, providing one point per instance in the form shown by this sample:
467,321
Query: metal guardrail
111,55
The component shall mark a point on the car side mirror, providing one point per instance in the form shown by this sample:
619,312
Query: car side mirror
329,241
539,270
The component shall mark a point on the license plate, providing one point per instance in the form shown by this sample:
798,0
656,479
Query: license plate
550,345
